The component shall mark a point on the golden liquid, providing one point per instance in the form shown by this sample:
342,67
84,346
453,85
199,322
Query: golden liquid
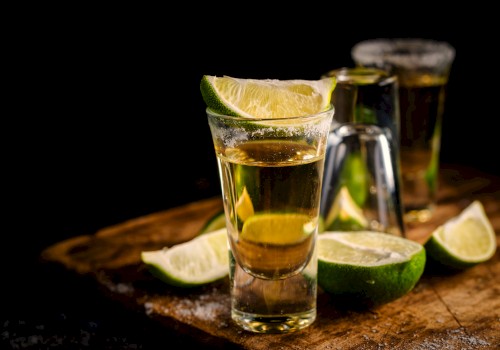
274,177
421,105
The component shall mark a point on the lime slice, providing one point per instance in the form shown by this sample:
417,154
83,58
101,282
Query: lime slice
278,228
463,241
199,261
345,214
216,222
244,205
368,268
355,176
266,98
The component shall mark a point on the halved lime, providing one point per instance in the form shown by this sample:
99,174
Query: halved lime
463,241
266,98
202,260
368,268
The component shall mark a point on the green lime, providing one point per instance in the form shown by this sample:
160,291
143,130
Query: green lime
216,222
266,98
345,214
463,241
244,205
365,114
431,176
202,260
368,268
354,176
278,228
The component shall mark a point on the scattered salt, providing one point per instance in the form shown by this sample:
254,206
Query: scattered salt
449,342
201,309
148,307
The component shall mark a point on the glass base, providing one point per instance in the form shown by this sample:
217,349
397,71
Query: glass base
273,323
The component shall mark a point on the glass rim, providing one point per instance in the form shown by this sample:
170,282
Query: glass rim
362,75
404,51
329,109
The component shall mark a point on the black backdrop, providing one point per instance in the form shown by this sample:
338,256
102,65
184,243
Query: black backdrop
107,122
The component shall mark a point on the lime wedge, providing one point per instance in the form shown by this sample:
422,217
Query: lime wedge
345,214
463,241
368,268
216,222
244,205
202,260
354,175
278,228
266,98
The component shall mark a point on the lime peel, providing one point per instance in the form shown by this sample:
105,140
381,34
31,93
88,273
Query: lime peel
368,268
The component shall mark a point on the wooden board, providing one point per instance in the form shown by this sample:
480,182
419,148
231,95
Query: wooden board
443,311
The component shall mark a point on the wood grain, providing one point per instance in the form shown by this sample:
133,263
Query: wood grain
445,310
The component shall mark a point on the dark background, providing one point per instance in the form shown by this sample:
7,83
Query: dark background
105,120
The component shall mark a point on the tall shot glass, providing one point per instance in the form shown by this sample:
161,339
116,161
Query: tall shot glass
361,187
373,204
271,173
423,67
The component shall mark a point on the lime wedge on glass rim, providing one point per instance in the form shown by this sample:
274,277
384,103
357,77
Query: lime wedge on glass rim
204,259
463,241
284,98
368,268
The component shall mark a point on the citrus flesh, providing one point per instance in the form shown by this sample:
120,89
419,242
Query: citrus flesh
202,260
463,241
244,206
368,268
278,228
273,245
266,98
345,214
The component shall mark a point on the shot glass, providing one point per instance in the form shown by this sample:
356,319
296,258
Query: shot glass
360,183
363,96
423,68
271,173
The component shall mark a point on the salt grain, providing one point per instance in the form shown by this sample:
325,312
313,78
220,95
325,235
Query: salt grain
201,309
452,339
148,307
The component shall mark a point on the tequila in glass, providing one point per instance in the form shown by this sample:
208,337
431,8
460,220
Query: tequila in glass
422,67
271,174
422,100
